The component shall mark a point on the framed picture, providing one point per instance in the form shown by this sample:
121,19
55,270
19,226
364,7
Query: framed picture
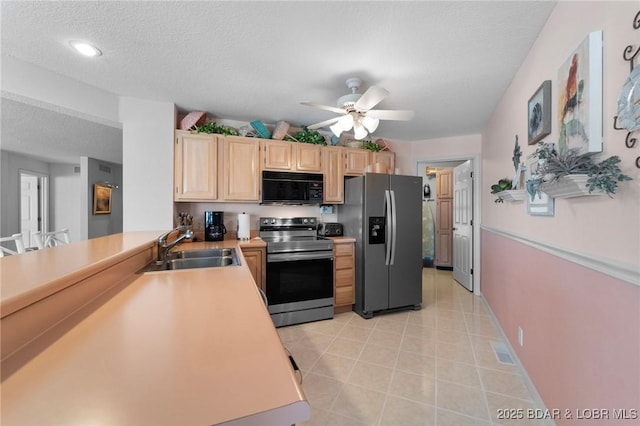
580,97
538,204
539,118
101,199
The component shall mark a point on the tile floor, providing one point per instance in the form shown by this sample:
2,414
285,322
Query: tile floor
435,366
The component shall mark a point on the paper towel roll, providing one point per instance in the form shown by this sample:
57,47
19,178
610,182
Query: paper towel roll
244,225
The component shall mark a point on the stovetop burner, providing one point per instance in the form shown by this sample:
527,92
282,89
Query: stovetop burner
292,234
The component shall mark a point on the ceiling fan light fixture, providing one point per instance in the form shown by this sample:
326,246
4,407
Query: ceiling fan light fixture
346,122
370,123
336,129
359,132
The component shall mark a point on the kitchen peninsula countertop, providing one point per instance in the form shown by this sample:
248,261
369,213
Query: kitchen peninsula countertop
171,347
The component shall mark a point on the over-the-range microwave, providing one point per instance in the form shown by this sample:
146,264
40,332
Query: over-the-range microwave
291,188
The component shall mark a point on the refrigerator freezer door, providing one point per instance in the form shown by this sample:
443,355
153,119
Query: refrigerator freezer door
405,273
375,283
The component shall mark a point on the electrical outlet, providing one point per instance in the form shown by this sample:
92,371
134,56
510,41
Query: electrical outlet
520,336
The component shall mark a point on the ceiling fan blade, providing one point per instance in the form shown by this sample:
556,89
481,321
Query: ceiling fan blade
325,107
323,123
371,98
390,114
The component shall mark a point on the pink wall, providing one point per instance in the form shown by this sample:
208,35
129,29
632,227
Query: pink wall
600,226
581,328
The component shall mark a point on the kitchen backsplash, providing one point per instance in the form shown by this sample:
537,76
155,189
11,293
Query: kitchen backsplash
231,211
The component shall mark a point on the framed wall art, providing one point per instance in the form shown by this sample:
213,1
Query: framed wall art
101,199
580,97
537,204
539,116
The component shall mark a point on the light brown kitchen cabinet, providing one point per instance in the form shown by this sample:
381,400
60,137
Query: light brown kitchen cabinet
344,274
241,169
277,155
291,156
256,259
195,158
333,171
356,161
444,218
387,158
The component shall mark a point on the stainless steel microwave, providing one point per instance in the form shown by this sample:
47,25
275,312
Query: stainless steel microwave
291,188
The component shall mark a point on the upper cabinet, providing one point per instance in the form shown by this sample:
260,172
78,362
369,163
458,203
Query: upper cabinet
241,169
291,156
356,161
387,158
333,171
195,167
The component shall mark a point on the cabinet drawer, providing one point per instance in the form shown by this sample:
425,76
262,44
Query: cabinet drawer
343,262
344,277
344,296
343,249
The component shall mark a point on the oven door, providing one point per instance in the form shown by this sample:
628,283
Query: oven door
300,280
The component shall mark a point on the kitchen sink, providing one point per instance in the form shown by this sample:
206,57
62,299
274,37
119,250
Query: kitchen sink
214,252
200,262
191,259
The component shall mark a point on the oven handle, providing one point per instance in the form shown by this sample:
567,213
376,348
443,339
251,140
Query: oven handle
290,257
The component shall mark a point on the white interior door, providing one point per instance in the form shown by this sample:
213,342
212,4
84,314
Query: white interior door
462,224
29,208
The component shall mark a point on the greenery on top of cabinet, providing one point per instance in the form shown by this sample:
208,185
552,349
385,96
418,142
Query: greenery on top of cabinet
212,127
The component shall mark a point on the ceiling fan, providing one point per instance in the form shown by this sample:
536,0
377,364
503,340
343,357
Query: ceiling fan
357,112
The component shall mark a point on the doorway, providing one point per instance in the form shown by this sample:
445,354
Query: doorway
450,241
34,205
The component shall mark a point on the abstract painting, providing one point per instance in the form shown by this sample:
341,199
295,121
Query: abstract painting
580,97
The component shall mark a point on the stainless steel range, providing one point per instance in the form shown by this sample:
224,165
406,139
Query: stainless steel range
299,270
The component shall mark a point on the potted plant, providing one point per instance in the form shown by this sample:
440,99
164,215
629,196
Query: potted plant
213,127
572,174
307,136
511,189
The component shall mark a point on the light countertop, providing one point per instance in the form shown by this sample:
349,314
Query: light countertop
172,347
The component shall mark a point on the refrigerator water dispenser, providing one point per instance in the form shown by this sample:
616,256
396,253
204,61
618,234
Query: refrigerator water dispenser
376,230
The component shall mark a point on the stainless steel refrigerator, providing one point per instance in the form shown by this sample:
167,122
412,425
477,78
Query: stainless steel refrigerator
384,214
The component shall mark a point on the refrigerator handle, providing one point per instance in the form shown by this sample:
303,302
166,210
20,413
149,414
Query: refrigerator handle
387,228
393,227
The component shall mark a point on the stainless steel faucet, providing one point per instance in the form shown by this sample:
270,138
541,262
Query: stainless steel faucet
163,247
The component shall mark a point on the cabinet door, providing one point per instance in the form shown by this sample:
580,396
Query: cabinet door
241,169
444,232
333,186
444,183
195,167
308,157
356,161
344,274
385,157
256,260
277,155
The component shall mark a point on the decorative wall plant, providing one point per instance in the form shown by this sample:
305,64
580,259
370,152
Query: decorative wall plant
556,169
511,189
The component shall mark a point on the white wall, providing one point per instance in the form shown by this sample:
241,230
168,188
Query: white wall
147,151
64,199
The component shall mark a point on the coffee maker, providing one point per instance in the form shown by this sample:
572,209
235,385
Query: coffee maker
214,229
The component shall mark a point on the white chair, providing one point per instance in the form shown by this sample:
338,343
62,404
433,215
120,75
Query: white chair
17,239
51,239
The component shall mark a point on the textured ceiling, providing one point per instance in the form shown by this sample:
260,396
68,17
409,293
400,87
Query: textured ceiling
450,61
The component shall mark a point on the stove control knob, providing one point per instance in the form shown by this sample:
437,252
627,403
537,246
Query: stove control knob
266,221
273,221
304,220
312,220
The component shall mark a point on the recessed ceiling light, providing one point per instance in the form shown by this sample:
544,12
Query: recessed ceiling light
85,48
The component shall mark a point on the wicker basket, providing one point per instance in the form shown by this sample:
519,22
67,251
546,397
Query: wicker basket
280,131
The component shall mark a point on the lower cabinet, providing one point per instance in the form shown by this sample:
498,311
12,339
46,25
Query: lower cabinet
344,274
256,261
